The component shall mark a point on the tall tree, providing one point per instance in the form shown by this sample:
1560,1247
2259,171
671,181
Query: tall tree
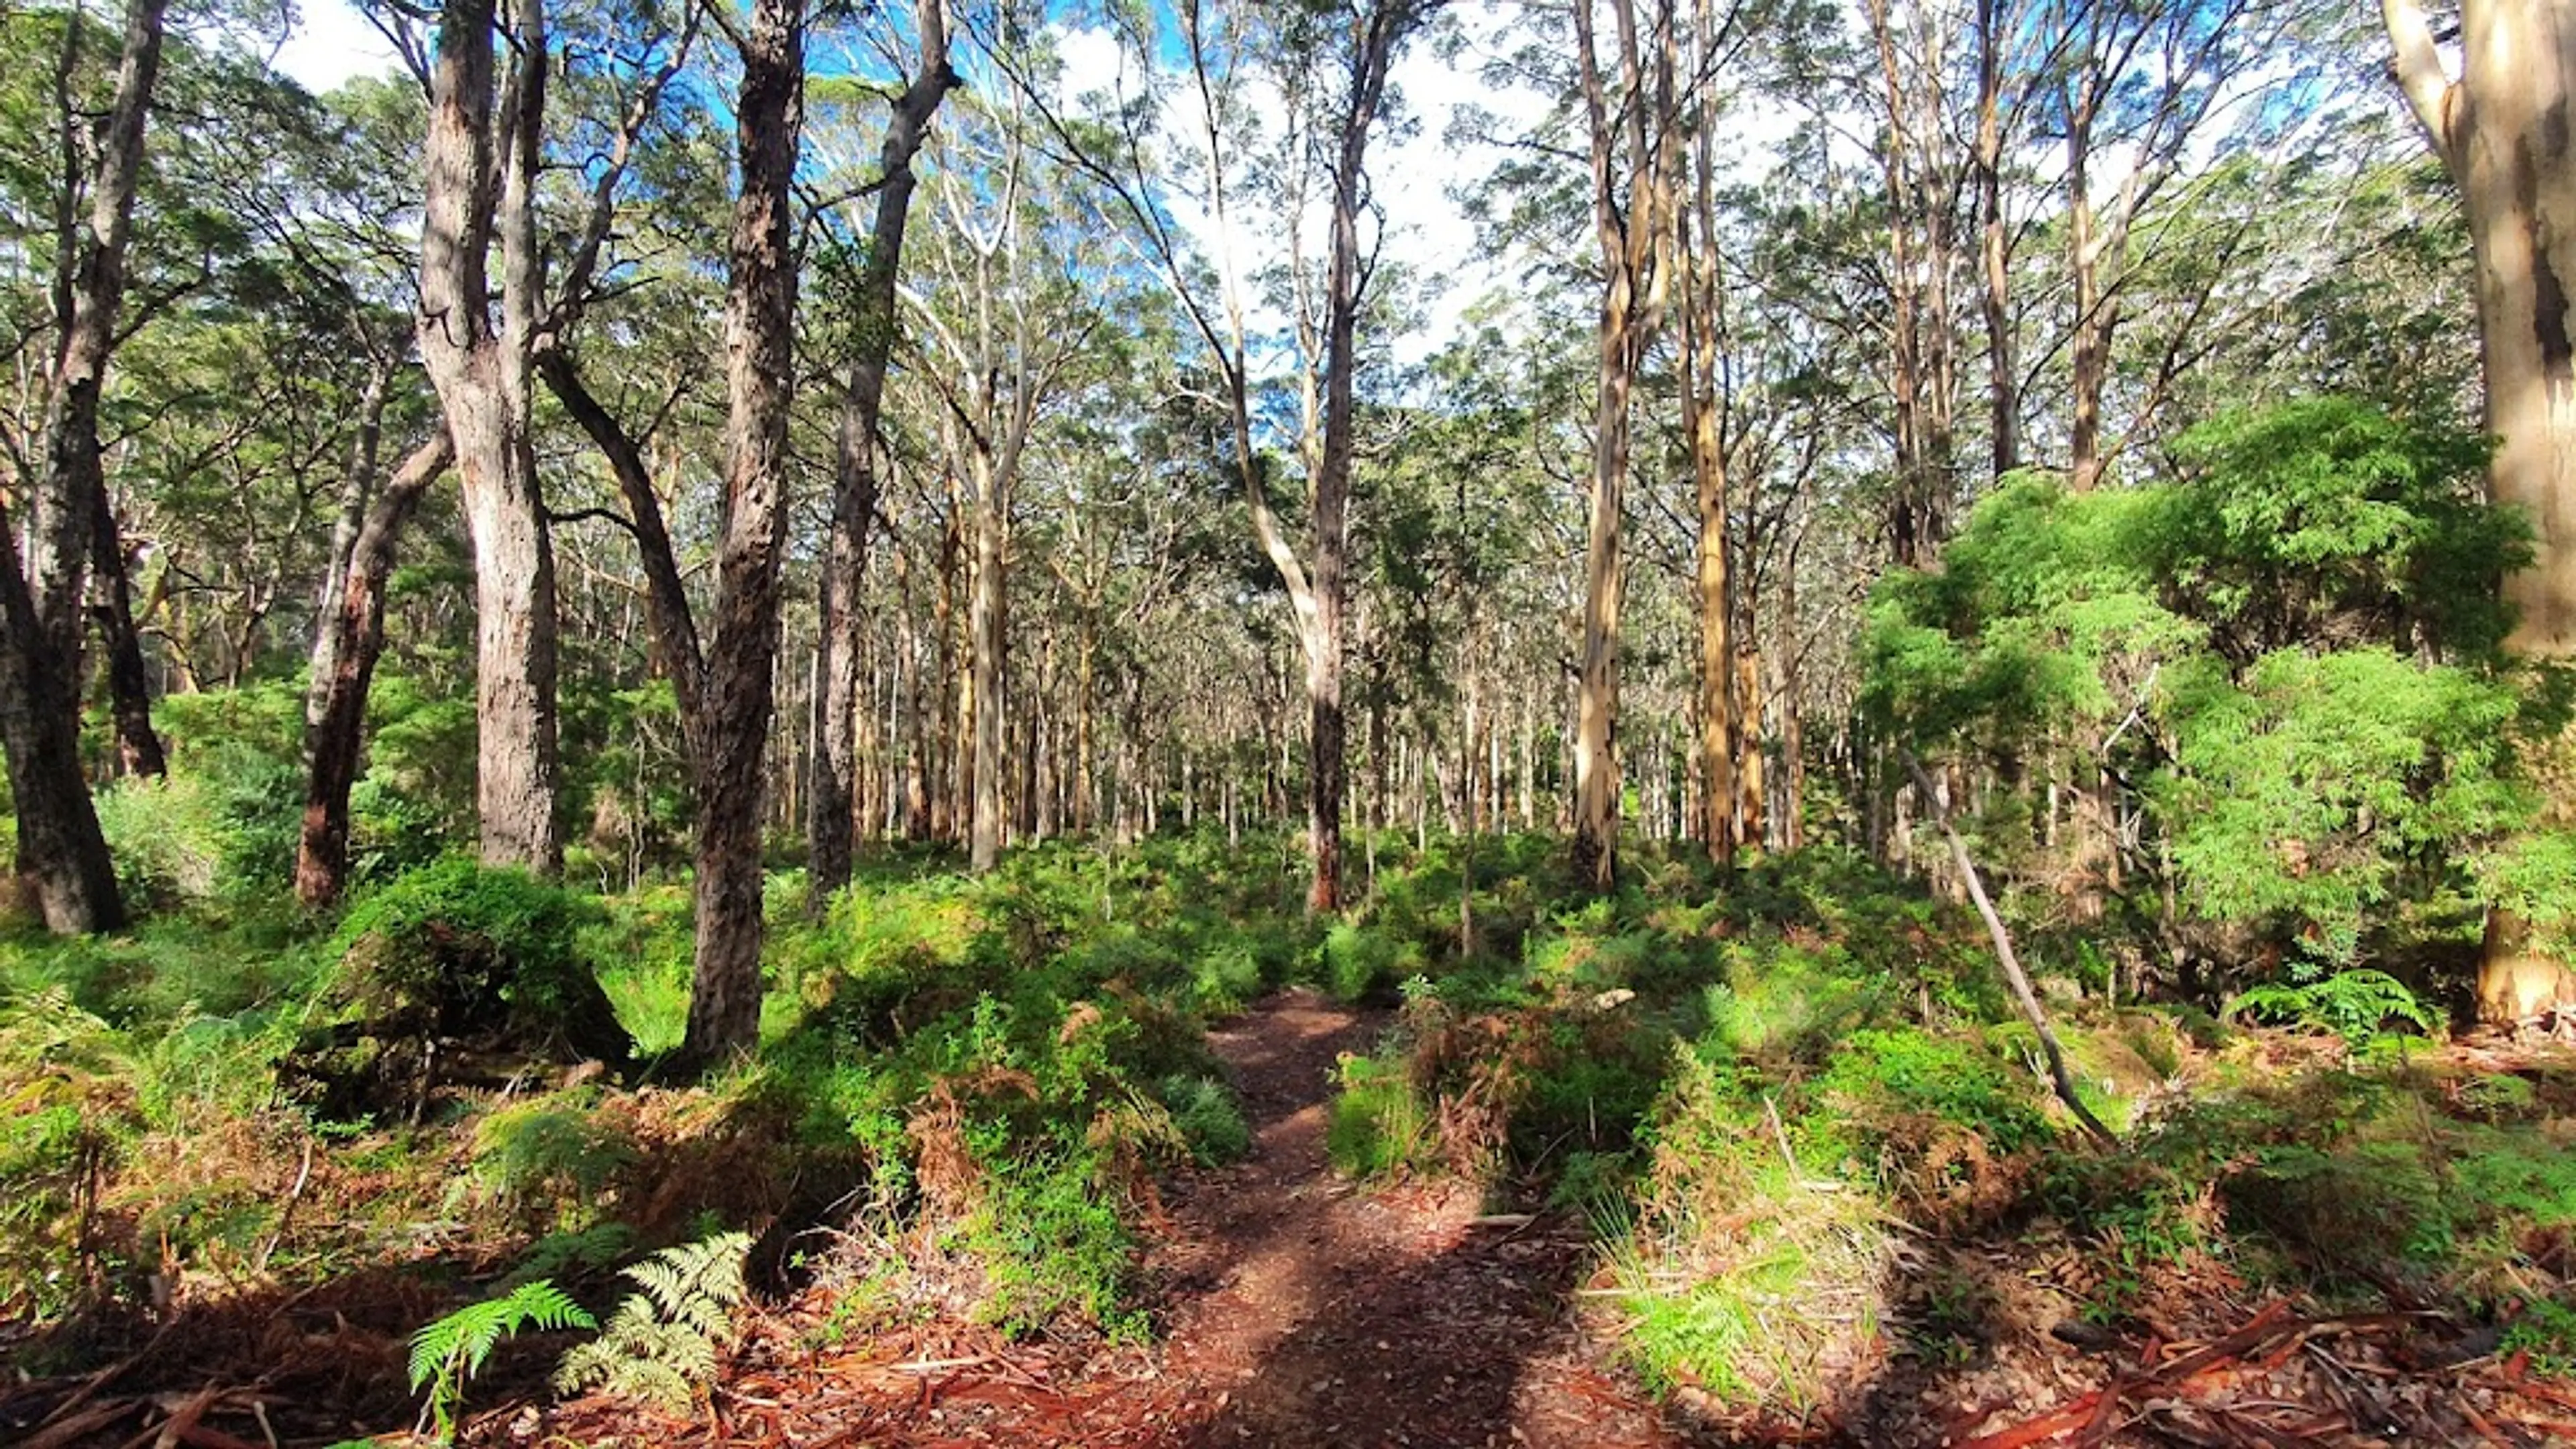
62,855
2502,131
482,161
829,821
729,733
1635,154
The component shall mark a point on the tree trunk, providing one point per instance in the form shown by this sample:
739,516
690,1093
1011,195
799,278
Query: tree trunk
855,483
2502,132
984,623
1633,239
1716,601
483,377
2003,384
730,735
129,681
357,492
2090,348
353,636
63,864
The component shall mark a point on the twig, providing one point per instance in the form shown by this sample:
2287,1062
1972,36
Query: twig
2020,983
286,1214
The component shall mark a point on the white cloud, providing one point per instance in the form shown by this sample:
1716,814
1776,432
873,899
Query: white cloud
331,43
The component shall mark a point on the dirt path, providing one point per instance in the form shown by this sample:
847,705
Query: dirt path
1314,1313
1296,1310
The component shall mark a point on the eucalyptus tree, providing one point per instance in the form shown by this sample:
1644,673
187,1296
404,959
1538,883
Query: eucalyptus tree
485,160
869,327
2501,129
62,859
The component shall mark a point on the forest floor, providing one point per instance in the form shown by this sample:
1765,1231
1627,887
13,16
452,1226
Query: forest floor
1295,1308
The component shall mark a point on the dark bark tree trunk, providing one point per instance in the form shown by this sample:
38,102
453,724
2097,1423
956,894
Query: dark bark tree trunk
336,708
730,736
129,681
855,482
63,864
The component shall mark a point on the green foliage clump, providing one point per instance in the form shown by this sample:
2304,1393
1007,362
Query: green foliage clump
459,949
67,1115
1887,1087
1358,961
662,1342
2355,1005
2288,652
1207,1117
552,1149
448,1352
1377,1125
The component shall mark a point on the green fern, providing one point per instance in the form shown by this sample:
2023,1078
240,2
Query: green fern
661,1344
2354,1005
449,1351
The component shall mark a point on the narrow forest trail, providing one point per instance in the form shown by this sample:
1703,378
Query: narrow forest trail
1308,1311
1294,1309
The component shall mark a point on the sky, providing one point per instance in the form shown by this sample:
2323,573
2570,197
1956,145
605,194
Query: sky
332,42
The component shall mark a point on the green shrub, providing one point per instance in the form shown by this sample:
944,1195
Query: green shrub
1206,1114
464,950
1358,961
1377,1124
552,1148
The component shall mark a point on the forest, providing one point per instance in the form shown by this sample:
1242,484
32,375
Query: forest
1288,722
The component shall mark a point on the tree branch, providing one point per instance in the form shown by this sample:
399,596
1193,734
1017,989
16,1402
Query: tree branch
2420,75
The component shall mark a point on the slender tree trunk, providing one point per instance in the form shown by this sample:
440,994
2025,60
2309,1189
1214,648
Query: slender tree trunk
353,638
129,680
731,732
1717,722
1994,242
984,622
2090,350
357,493
855,483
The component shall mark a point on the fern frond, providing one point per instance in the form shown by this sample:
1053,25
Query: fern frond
449,1351
661,1343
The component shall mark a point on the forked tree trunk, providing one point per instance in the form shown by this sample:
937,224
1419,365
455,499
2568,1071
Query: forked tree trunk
2502,131
62,863
336,707
483,376
1636,265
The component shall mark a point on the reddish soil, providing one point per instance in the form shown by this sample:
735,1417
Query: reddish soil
1294,1310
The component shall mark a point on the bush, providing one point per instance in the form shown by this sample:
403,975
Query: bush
460,949
455,952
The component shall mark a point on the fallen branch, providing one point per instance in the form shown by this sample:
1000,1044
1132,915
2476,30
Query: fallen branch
2020,983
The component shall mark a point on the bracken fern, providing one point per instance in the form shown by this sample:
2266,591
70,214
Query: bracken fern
449,1351
661,1344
